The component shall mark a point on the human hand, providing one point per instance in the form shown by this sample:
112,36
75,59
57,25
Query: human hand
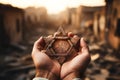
77,66
50,68
45,66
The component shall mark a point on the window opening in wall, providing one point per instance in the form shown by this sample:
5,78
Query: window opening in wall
117,32
98,18
17,25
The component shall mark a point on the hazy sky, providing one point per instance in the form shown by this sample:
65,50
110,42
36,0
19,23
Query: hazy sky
53,6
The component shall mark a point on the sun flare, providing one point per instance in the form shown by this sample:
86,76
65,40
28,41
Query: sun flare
53,6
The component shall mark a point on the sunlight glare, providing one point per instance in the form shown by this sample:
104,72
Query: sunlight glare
53,6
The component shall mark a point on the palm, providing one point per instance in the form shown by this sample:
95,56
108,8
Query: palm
43,62
78,63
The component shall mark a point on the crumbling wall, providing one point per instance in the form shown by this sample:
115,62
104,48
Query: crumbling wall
13,25
99,24
114,36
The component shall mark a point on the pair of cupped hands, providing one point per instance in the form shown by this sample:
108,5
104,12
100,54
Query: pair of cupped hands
52,70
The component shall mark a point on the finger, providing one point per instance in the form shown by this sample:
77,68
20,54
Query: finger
84,47
40,43
83,43
70,34
75,36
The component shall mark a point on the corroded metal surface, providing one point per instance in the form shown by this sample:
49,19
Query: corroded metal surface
61,47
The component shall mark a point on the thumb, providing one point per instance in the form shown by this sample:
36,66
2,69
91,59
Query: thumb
83,43
84,47
39,44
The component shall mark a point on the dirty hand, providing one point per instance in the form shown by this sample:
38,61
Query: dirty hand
45,67
77,66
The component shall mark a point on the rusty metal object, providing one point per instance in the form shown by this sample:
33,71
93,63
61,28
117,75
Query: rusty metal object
61,47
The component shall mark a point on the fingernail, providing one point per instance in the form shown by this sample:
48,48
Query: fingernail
75,36
41,38
83,40
70,34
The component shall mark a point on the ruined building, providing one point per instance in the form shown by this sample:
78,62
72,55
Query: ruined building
82,16
107,23
35,17
11,23
99,24
113,22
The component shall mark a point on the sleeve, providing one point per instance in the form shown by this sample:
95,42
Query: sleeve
40,78
77,79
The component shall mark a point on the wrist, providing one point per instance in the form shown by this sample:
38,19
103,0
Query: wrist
46,74
42,73
72,76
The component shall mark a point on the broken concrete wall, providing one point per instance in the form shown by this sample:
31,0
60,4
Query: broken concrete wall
114,21
99,24
78,18
12,23
35,17
85,16
72,16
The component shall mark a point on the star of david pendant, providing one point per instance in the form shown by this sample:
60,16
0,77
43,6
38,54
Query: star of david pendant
61,47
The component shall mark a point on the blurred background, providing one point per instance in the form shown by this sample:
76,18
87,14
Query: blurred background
22,22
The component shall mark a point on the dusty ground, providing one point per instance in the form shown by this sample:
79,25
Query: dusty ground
16,62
